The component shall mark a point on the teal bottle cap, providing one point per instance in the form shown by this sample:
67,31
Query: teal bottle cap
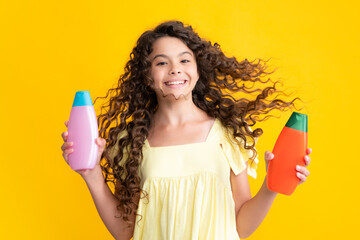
82,98
298,121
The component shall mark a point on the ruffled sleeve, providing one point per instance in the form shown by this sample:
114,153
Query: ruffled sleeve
237,155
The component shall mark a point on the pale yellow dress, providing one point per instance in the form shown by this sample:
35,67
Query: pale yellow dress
189,189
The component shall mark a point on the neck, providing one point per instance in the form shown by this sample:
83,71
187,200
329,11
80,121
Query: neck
175,112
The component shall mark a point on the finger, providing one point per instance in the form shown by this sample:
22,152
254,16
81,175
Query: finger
303,170
64,135
66,158
101,143
307,160
66,154
68,151
66,145
308,151
302,177
66,123
269,155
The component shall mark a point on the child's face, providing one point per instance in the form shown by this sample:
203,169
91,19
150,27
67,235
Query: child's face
173,68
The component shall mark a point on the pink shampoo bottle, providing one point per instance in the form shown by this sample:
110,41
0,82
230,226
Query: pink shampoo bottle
83,131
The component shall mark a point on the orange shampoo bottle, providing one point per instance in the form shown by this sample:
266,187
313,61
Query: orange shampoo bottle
289,151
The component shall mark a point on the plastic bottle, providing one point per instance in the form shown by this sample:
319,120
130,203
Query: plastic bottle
83,131
289,151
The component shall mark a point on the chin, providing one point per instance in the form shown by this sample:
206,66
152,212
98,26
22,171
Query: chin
176,96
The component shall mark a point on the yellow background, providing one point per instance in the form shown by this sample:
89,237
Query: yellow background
51,49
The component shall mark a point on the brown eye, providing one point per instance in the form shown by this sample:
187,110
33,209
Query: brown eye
160,63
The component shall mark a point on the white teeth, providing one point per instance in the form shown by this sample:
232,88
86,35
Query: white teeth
175,83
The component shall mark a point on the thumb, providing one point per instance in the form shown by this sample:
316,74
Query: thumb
101,143
268,155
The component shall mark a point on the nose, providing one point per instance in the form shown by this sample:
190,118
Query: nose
174,70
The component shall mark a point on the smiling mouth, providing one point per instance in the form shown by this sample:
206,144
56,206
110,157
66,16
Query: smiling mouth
174,83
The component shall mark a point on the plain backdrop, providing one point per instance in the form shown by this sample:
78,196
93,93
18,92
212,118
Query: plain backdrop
51,49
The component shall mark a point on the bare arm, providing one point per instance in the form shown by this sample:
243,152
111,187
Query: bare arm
106,203
253,211
250,212
103,198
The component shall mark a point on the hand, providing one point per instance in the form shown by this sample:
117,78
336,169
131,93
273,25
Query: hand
302,172
66,148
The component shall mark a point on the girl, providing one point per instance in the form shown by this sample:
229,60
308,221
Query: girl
179,150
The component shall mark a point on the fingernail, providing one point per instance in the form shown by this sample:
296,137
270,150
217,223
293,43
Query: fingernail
298,167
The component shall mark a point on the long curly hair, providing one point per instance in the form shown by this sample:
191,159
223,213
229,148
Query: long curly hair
132,104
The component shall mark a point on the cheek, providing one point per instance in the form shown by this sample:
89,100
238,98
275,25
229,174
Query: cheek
196,75
155,80
153,77
196,72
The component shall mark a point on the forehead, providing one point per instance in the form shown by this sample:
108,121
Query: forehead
169,45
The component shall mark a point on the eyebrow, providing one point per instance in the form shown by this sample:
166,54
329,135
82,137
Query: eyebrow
163,55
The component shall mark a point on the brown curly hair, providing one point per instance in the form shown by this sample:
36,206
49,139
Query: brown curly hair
133,103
